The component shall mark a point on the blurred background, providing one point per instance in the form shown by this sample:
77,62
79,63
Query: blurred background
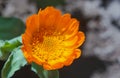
99,20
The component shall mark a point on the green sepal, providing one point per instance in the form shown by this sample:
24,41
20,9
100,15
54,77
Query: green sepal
42,73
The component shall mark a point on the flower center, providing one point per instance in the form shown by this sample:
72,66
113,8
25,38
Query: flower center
48,48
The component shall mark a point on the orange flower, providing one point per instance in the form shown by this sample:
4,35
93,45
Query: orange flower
52,39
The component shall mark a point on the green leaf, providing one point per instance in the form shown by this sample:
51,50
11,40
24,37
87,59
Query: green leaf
10,28
45,3
15,61
10,45
38,70
42,73
7,46
2,54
